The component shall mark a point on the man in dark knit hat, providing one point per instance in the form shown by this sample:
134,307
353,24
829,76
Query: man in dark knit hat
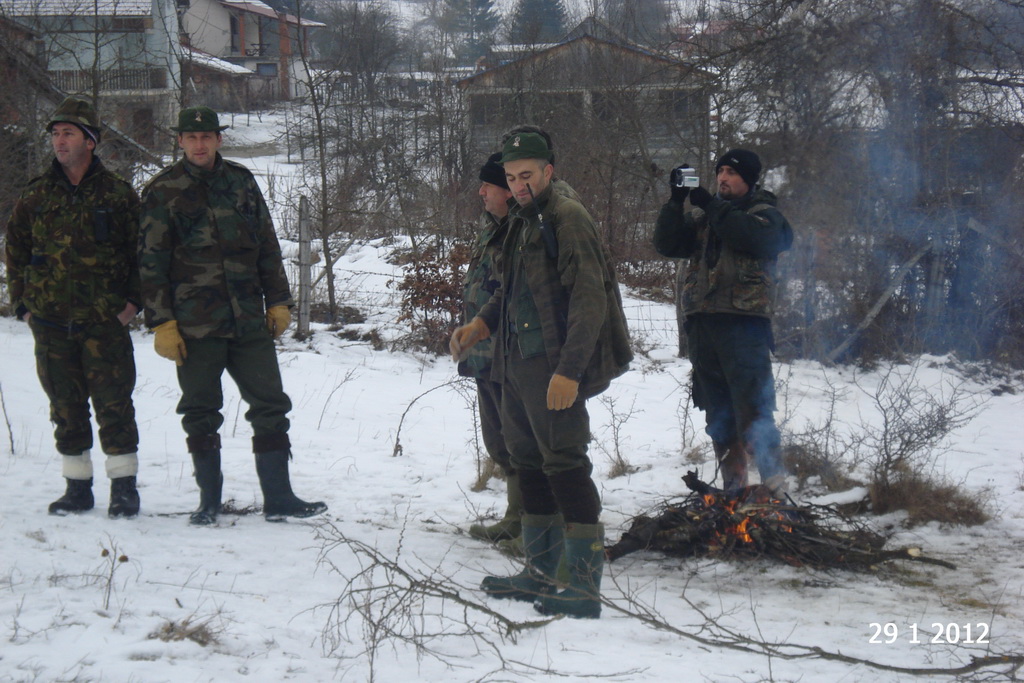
71,260
482,277
732,240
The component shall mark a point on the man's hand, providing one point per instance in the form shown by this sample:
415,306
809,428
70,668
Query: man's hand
562,392
168,342
464,337
125,316
278,320
700,197
675,181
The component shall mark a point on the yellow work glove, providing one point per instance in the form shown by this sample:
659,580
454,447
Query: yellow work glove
278,320
562,392
464,337
168,342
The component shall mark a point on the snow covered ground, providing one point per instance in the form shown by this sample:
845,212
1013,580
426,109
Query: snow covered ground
384,587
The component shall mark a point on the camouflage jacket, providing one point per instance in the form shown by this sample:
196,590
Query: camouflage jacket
208,254
480,283
733,248
71,255
575,296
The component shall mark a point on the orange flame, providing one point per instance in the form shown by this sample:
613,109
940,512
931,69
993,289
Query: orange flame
740,531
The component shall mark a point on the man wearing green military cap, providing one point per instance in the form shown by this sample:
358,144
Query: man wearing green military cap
559,338
198,120
71,260
216,295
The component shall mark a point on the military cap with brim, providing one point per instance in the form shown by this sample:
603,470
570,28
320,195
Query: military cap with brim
79,112
198,120
525,146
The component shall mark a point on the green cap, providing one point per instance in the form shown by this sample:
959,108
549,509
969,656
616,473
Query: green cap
79,112
198,120
525,146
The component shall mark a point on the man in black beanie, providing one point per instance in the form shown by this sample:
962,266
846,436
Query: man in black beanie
482,278
732,240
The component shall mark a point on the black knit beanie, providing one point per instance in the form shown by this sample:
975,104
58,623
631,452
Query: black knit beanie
744,162
494,173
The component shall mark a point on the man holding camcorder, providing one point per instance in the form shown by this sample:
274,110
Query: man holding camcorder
732,240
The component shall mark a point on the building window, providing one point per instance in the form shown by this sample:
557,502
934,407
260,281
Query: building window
236,40
132,24
266,69
488,109
143,126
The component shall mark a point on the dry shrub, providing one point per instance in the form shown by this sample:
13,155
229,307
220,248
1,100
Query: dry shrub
927,500
199,632
807,460
488,470
372,337
320,312
432,296
233,507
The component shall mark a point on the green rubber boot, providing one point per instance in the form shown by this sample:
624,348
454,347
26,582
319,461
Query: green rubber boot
542,543
584,554
509,526
513,547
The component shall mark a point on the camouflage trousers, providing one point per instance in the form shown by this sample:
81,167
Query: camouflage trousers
94,362
251,360
488,395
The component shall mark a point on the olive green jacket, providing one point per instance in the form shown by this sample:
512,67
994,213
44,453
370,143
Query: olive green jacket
71,257
732,249
576,296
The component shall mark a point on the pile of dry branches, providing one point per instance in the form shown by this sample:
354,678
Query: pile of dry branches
750,523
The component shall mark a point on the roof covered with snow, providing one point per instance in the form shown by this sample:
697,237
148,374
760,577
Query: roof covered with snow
210,62
66,8
265,10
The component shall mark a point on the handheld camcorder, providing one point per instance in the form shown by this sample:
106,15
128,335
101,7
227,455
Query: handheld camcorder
684,176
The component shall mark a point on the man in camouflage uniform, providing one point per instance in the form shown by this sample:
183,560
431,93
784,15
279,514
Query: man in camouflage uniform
216,294
732,240
71,260
560,337
481,281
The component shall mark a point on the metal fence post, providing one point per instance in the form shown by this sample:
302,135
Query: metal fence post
305,266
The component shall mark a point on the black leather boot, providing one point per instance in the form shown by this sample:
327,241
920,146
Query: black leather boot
205,451
77,498
272,467
124,498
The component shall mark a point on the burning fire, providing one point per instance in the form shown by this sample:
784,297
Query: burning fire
739,515
751,523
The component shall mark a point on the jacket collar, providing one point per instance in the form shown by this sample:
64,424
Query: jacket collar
741,201
95,166
202,173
